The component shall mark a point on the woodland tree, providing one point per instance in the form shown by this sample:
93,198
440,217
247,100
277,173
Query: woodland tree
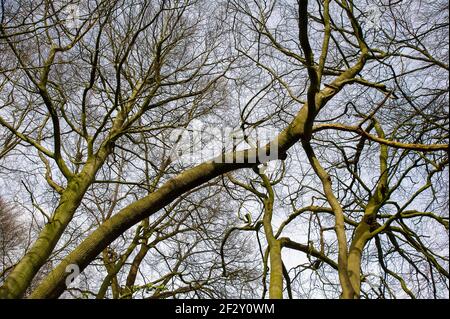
347,198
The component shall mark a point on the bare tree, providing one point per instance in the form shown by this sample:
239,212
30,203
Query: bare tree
12,236
353,181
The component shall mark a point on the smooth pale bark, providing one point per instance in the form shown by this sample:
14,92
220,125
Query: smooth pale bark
359,241
26,269
92,246
347,289
276,271
23,273
276,263
301,127
349,260
363,232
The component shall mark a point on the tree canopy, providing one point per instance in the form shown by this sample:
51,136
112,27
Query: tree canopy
224,149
